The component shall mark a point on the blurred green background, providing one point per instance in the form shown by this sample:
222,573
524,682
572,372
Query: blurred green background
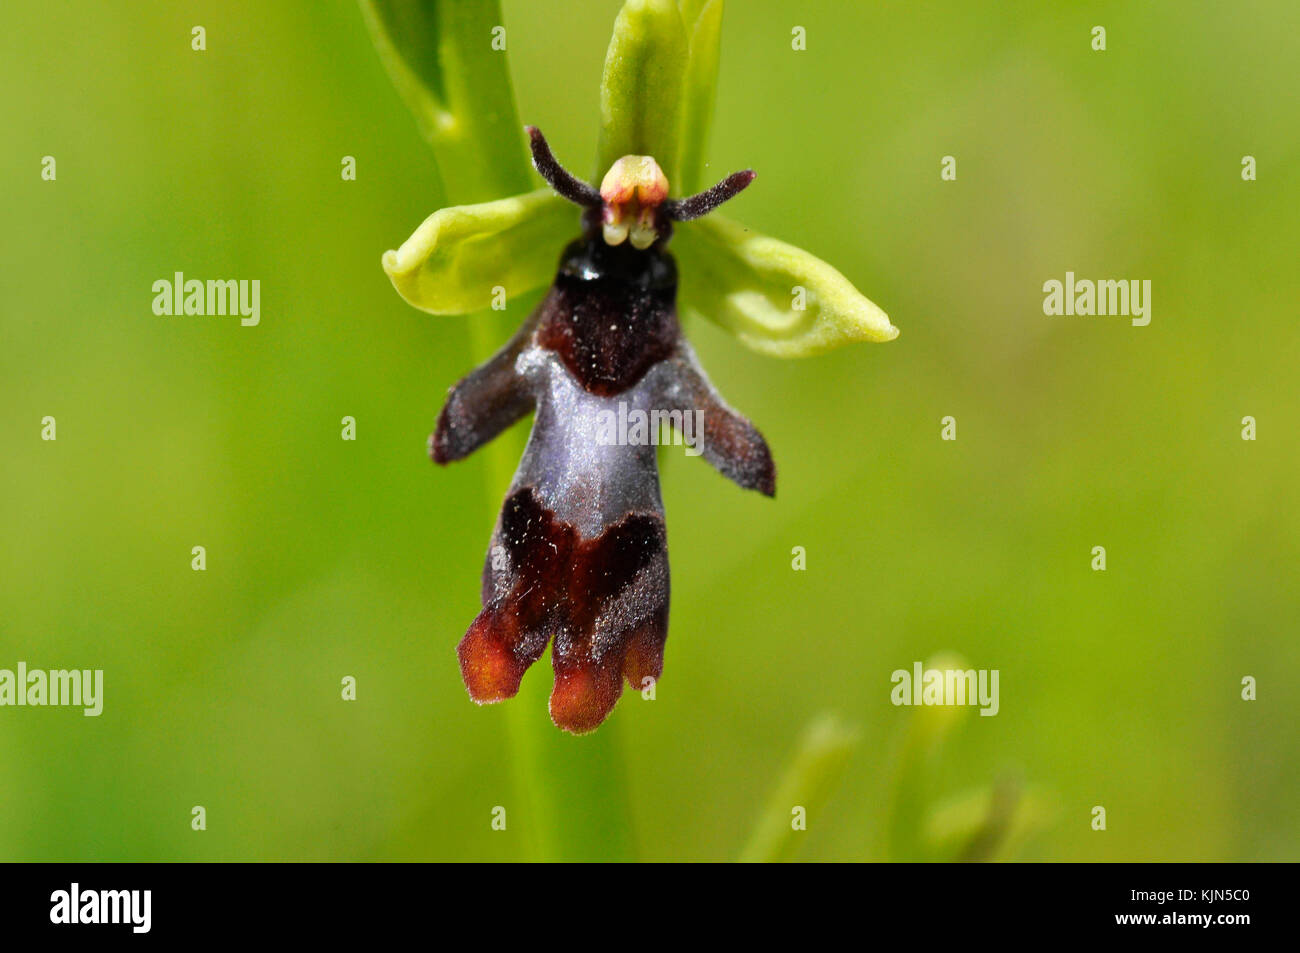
329,558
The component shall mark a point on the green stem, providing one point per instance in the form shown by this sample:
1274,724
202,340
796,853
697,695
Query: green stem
912,798
812,775
440,56
572,792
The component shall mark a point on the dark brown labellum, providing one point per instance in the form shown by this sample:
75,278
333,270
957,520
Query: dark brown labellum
579,556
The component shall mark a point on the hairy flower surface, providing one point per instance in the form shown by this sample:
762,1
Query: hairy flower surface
580,553
578,558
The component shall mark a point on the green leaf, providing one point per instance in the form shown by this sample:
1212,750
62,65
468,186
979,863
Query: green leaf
440,57
640,92
928,728
749,284
703,21
812,775
988,823
452,262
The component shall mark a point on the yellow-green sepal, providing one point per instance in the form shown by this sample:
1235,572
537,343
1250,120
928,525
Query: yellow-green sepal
703,22
641,89
776,298
462,258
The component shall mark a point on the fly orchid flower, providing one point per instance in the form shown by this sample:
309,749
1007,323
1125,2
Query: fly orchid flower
580,552
579,557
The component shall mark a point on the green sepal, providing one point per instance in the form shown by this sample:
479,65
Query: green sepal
703,21
750,284
641,89
454,262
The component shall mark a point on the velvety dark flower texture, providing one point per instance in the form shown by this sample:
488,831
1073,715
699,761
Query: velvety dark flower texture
579,555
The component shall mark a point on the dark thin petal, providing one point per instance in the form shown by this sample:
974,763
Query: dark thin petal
487,401
702,203
729,442
558,177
